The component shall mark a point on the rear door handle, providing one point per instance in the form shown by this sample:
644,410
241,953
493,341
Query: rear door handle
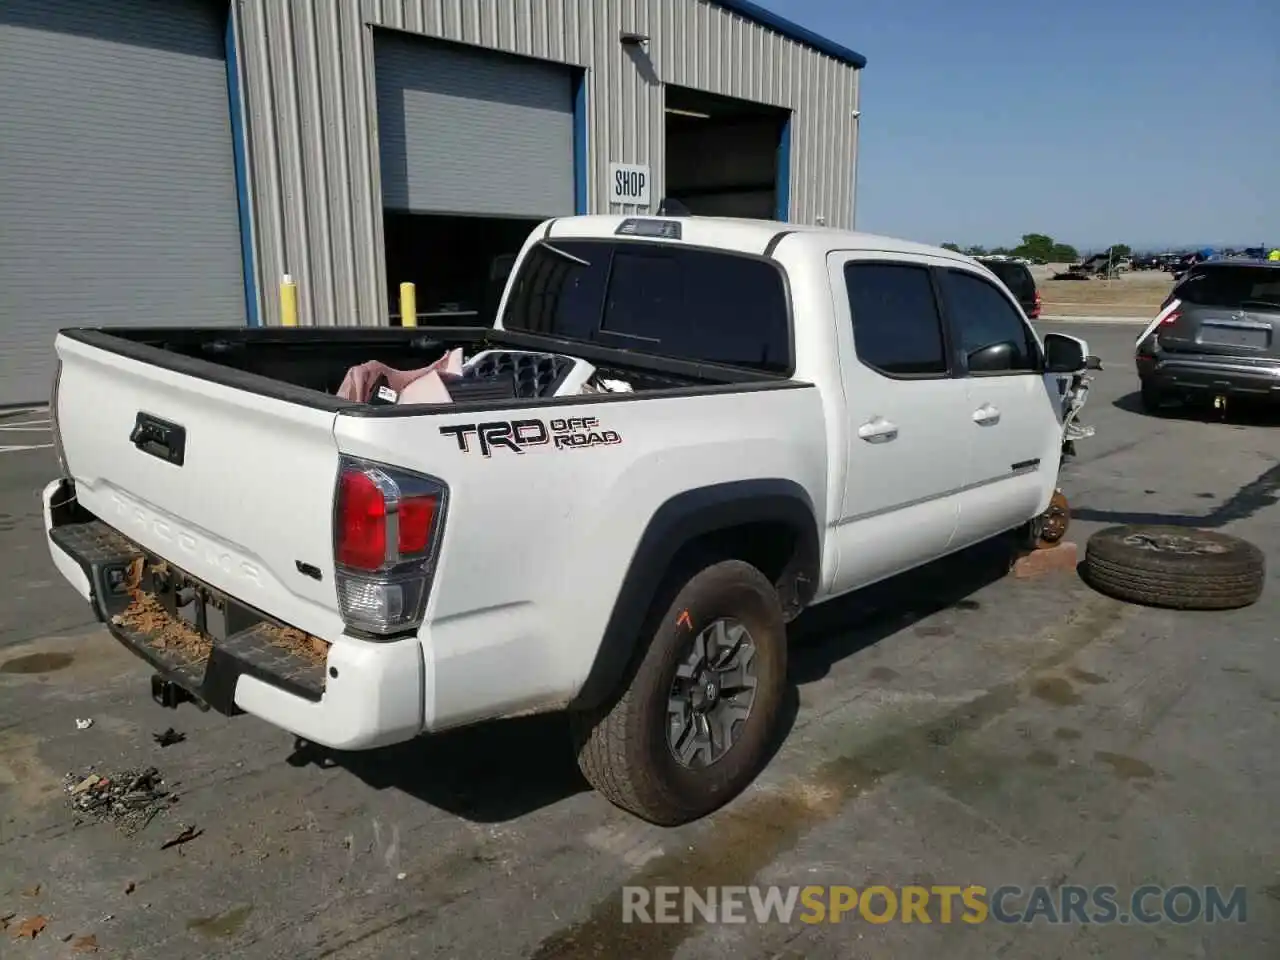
878,430
986,414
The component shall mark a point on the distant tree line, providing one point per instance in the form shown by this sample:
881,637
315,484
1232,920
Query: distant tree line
1036,246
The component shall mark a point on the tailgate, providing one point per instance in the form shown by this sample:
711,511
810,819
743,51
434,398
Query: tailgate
232,487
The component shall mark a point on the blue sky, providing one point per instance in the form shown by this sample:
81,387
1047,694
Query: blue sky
1147,122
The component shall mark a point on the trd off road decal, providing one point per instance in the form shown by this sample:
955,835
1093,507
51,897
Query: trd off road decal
516,435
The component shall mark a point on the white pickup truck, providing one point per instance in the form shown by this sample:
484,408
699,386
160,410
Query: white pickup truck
802,412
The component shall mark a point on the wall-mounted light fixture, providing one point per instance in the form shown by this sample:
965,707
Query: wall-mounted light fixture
689,113
628,39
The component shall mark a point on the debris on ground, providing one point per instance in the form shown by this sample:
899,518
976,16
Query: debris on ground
130,799
84,724
85,944
130,887
169,737
4,920
186,836
32,891
297,642
31,928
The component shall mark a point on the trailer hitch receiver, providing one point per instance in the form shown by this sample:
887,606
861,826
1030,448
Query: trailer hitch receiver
169,694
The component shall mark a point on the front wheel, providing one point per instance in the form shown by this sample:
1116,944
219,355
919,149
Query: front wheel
697,719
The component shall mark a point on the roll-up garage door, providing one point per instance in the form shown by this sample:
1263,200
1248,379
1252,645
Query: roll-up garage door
470,131
117,179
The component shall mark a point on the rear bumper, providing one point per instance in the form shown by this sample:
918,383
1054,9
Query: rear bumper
358,695
1202,374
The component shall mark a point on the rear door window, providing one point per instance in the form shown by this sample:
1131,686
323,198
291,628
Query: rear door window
897,330
982,317
688,304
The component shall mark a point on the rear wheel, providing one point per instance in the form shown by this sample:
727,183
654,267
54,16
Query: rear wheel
697,718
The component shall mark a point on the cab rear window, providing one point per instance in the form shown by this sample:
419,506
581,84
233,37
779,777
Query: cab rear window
658,298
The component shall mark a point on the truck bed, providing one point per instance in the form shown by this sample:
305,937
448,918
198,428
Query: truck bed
307,364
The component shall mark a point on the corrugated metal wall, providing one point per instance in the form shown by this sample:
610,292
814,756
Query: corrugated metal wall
312,129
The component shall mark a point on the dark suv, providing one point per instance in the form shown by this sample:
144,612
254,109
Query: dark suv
1218,335
1021,284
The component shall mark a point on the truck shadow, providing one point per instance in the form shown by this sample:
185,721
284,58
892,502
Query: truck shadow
502,770
1253,497
487,773
1240,414
833,631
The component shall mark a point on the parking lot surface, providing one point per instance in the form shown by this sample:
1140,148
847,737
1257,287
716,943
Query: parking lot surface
955,727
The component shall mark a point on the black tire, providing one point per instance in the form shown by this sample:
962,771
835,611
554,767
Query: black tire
622,748
1182,568
1152,398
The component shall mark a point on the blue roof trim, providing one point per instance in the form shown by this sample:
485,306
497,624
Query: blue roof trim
767,18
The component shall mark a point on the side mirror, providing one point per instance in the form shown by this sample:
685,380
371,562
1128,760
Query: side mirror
1064,354
993,357
1092,363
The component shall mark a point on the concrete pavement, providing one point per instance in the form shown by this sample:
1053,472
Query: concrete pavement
951,727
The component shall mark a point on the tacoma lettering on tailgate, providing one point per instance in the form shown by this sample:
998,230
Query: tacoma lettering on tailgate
184,543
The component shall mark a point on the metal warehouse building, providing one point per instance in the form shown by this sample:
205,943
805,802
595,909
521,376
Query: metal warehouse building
167,162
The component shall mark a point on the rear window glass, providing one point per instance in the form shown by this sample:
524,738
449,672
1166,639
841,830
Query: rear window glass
1232,287
559,291
654,298
1014,276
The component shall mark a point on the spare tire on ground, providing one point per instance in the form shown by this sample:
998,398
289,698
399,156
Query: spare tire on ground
1183,568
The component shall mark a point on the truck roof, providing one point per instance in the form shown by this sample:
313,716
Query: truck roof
756,237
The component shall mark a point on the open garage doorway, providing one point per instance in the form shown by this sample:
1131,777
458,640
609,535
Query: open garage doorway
458,265
476,148
726,157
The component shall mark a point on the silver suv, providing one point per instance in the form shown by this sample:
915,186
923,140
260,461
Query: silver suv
1217,336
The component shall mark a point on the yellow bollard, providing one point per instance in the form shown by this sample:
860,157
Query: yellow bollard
408,305
288,302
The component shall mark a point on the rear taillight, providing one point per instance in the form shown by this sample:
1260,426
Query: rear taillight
1170,318
362,522
387,528
417,520
1035,309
